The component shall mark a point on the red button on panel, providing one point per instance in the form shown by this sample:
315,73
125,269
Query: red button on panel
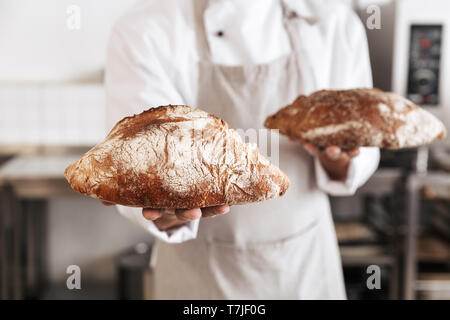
425,43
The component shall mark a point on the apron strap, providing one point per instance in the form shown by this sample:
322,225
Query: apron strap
289,18
291,24
202,40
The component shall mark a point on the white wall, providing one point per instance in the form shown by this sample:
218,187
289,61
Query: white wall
47,70
37,45
52,114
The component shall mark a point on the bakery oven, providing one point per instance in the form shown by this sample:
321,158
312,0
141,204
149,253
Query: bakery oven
421,52
410,55
404,209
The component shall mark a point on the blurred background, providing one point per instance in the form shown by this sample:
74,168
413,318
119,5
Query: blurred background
52,110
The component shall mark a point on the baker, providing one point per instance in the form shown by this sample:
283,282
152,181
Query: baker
242,60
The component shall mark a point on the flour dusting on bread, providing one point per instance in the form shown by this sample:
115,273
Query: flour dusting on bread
357,117
176,157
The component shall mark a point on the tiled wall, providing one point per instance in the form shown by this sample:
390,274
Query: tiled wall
70,115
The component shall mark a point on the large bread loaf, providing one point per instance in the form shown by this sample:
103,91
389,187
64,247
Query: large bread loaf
358,117
175,157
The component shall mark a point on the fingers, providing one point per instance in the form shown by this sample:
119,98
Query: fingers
312,150
353,152
107,203
214,211
165,221
162,220
333,152
151,214
168,221
188,214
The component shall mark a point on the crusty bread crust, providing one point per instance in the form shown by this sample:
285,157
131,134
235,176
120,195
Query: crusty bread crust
357,117
175,157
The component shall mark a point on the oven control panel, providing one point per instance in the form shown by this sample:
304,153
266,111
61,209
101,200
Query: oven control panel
424,62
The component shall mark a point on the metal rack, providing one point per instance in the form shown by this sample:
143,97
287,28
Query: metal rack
408,186
415,183
371,252
26,182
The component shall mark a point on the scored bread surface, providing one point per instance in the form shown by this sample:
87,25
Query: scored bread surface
175,157
357,117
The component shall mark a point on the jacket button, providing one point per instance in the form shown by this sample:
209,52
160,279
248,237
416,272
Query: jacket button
219,33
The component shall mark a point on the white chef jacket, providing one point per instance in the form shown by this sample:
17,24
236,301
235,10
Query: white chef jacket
153,54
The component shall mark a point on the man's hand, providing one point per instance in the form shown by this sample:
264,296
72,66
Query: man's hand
165,220
334,160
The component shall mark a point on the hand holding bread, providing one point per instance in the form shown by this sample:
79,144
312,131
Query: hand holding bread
333,159
164,220
175,157
357,117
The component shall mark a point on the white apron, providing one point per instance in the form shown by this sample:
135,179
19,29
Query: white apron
279,249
